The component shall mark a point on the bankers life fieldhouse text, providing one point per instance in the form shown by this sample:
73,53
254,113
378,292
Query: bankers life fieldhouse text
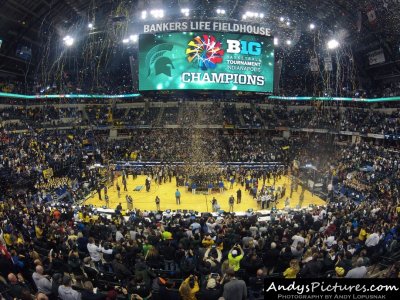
183,26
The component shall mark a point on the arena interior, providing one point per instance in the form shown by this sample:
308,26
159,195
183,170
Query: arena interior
177,149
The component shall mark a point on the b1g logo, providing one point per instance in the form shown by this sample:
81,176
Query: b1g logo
206,51
244,47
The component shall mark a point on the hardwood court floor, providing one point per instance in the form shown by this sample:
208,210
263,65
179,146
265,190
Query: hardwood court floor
199,202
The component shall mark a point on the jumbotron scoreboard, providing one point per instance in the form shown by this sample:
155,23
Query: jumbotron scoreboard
206,61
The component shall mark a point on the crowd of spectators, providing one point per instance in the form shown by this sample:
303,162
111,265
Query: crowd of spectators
72,252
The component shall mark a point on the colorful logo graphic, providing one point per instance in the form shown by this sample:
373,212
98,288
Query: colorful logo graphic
205,51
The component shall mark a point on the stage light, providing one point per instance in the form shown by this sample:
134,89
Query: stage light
90,26
276,41
288,23
185,11
68,41
244,17
220,11
144,15
261,15
282,19
133,38
288,42
333,44
157,13
125,41
312,26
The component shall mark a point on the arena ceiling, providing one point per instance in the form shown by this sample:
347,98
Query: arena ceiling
24,21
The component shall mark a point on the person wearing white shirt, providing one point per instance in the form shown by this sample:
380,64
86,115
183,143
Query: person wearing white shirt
372,240
96,251
297,239
118,236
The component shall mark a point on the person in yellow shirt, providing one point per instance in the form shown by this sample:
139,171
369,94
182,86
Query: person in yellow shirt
234,257
293,269
207,241
189,288
363,233
38,232
8,239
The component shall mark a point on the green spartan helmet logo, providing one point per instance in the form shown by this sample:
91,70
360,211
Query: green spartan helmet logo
161,64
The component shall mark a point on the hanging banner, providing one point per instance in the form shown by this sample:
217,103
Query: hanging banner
371,14
328,63
314,66
376,57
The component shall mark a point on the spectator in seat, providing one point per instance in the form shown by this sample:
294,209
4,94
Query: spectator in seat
42,281
234,289
359,271
88,292
189,288
65,291
234,257
16,286
120,270
256,285
293,269
212,290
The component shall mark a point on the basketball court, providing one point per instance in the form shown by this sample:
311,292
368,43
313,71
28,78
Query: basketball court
200,202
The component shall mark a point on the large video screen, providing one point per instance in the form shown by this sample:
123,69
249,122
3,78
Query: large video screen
206,61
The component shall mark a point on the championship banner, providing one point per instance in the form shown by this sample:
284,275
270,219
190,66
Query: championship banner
376,57
206,60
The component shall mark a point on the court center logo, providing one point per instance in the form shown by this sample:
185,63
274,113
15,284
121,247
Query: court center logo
157,60
205,51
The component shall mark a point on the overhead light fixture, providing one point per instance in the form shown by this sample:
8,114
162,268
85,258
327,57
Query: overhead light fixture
312,26
90,25
282,19
288,23
68,41
288,42
220,11
276,41
333,44
185,11
157,13
125,41
133,38
252,14
144,15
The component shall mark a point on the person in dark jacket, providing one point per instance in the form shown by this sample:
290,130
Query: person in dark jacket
120,270
212,291
88,292
312,268
270,258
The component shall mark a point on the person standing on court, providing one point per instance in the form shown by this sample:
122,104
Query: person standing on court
178,197
124,183
107,201
158,203
231,202
118,190
99,192
239,196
